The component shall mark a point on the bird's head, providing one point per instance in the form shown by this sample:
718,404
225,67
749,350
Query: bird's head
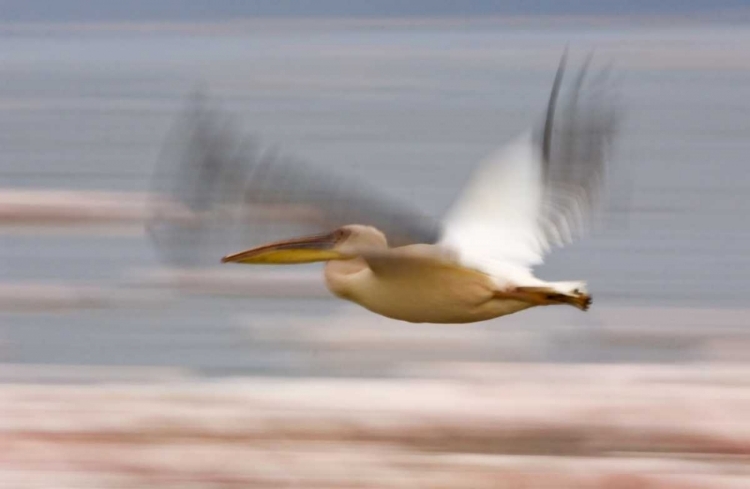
344,243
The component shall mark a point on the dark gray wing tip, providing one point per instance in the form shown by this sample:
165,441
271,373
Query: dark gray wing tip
214,172
551,104
575,147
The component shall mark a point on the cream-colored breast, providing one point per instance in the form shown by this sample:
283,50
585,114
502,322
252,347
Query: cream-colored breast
436,294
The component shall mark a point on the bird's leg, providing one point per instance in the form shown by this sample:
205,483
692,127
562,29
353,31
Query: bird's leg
545,296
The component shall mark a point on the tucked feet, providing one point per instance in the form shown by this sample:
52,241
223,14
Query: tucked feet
548,296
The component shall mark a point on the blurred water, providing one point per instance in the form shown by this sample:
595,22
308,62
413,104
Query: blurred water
409,108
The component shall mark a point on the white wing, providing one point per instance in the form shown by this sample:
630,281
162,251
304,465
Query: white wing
539,190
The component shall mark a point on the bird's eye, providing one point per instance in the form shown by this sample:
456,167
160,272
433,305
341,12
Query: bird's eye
341,234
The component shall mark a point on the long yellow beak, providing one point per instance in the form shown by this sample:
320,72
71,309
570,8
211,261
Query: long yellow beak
307,249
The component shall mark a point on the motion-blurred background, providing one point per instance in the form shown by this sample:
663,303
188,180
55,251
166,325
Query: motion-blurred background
118,371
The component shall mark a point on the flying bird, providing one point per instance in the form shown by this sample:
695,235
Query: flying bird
540,190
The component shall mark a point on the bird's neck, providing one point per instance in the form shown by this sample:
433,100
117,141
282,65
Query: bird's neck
340,275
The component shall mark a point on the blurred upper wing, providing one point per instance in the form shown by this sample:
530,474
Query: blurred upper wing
541,189
216,190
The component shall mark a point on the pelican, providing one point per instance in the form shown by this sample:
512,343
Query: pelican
476,263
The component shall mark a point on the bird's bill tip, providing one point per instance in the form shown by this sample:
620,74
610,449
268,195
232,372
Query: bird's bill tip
308,249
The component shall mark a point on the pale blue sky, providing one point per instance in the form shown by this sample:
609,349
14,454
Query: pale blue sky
195,10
